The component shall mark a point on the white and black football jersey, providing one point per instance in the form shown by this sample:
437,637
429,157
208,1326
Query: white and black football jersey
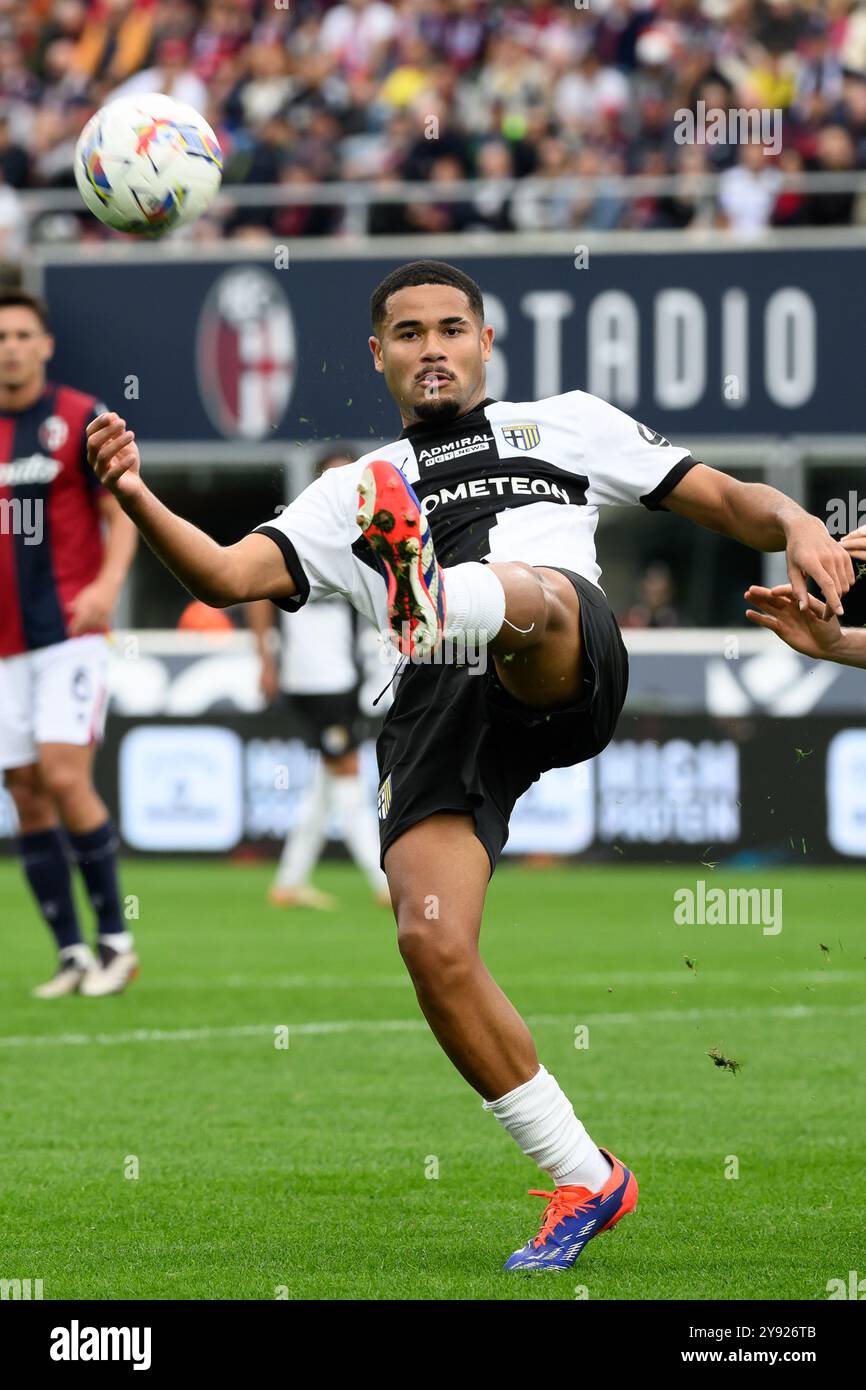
318,649
507,481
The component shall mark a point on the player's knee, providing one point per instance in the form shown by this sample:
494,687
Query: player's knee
33,806
561,605
63,780
437,956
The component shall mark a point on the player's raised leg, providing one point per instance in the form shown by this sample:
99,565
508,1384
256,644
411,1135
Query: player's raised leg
438,872
529,617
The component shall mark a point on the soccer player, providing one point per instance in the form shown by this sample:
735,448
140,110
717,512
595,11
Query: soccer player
59,580
318,673
805,626
475,530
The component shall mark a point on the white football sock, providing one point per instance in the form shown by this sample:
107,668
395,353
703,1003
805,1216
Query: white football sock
120,941
358,823
304,843
79,955
474,602
540,1118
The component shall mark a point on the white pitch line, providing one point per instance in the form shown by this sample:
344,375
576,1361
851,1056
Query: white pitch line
416,1025
589,980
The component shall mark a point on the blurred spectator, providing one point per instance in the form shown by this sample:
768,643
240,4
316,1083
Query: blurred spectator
602,210
14,159
115,39
534,210
447,216
491,206
12,224
747,193
586,91
356,35
171,74
834,154
655,605
299,219
820,75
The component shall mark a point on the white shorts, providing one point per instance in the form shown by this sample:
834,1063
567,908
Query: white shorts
57,694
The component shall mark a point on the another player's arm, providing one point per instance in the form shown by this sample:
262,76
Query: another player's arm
219,575
764,518
805,629
260,616
93,605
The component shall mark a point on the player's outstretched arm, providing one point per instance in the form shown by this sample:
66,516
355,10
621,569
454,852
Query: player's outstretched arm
766,519
219,575
804,629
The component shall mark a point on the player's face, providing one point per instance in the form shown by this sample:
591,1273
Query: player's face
25,347
432,353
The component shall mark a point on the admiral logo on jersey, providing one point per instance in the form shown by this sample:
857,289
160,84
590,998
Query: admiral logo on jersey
458,448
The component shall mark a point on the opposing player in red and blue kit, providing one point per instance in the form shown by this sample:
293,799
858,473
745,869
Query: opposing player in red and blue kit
59,580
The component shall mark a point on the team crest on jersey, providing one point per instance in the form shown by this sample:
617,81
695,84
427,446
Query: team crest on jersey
521,436
53,433
384,799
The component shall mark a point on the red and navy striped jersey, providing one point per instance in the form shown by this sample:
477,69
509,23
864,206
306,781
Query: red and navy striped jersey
50,537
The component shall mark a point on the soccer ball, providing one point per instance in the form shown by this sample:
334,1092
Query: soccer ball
147,164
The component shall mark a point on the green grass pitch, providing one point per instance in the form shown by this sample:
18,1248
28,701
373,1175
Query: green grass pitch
309,1169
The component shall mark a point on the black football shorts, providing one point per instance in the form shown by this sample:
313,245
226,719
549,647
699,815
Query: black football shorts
458,741
331,721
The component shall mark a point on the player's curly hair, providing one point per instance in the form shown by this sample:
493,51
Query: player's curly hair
423,273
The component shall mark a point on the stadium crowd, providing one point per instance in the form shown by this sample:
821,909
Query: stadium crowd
304,92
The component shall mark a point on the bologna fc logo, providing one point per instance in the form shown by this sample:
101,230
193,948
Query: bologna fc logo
245,353
521,436
53,433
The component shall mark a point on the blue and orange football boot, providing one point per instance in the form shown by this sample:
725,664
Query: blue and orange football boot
394,524
572,1217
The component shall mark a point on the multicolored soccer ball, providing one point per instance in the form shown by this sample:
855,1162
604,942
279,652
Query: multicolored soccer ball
147,164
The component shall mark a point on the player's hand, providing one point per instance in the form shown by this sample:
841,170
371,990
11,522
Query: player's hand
269,679
813,554
855,543
91,609
805,629
113,454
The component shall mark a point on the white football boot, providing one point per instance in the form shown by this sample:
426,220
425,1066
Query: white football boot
76,963
115,971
